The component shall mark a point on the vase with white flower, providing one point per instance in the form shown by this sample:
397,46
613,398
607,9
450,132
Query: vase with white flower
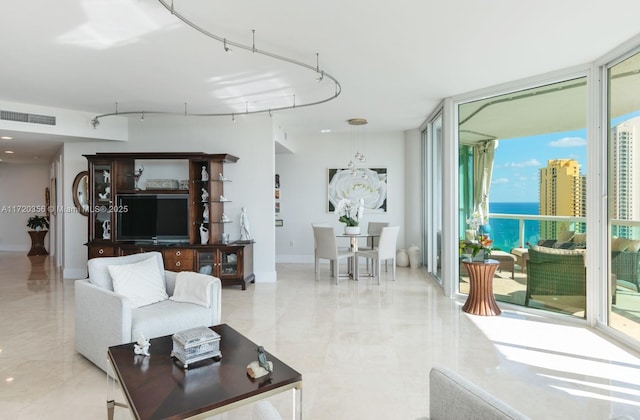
350,214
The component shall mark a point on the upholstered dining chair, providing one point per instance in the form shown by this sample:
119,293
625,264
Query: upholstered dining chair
315,244
373,231
327,248
386,250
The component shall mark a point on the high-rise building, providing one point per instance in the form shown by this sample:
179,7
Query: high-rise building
624,199
561,189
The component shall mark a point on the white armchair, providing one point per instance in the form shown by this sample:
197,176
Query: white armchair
104,318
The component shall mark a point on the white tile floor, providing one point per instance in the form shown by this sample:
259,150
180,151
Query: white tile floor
364,350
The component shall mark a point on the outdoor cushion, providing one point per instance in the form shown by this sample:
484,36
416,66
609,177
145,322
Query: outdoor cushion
620,244
566,235
580,237
634,246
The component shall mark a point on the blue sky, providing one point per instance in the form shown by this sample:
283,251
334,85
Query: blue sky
517,161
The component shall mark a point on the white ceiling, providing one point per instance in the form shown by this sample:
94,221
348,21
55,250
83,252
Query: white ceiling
394,61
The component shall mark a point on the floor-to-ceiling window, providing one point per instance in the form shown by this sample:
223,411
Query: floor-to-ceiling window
624,195
551,163
432,147
522,177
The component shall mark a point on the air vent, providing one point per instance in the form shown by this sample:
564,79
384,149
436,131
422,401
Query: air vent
27,118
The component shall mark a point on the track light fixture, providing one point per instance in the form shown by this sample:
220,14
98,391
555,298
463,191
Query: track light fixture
227,44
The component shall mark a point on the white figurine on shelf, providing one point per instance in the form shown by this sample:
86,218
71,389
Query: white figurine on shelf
224,218
204,235
106,176
245,228
205,195
204,174
106,229
221,177
222,198
205,213
142,346
105,195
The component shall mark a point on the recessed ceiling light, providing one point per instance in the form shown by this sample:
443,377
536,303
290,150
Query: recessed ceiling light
325,130
9,152
6,138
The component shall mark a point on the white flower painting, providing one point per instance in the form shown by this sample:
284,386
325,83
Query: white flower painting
368,184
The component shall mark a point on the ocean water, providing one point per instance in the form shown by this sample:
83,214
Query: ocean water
504,232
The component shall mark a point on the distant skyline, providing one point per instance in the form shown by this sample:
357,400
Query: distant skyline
517,161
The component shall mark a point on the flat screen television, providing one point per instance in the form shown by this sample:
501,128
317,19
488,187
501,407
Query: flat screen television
153,217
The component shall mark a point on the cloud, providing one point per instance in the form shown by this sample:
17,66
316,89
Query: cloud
569,142
525,163
500,181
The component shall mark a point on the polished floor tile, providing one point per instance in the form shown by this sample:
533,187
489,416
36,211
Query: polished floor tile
364,350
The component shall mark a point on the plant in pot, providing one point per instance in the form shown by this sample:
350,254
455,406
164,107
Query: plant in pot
38,223
350,214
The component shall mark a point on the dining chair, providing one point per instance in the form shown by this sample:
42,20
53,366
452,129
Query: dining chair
373,231
327,248
386,250
315,244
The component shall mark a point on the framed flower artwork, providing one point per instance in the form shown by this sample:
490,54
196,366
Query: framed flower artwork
369,184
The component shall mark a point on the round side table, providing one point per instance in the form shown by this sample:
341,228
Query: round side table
480,300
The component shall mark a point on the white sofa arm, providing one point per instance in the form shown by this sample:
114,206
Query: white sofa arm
102,319
216,301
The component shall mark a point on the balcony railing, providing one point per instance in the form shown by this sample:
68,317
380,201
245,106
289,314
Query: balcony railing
530,232
505,237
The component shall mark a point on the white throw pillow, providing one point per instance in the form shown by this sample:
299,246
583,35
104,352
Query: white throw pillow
193,288
141,282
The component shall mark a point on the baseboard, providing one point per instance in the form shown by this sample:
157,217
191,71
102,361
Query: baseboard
294,259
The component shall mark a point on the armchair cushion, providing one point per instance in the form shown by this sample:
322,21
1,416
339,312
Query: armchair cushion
193,288
99,271
140,282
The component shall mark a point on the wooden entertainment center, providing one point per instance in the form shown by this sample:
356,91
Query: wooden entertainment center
114,231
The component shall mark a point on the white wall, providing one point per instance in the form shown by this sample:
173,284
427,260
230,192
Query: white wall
21,185
303,187
413,188
250,138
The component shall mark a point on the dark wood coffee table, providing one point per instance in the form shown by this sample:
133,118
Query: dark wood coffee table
156,387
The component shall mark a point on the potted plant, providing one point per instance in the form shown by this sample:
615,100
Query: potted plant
38,223
350,213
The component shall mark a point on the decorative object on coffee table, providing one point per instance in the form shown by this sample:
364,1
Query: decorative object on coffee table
142,346
261,367
195,344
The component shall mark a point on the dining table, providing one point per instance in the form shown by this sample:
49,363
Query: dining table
354,239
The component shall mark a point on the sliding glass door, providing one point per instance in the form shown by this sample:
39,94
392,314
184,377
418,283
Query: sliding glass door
624,196
522,181
432,147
